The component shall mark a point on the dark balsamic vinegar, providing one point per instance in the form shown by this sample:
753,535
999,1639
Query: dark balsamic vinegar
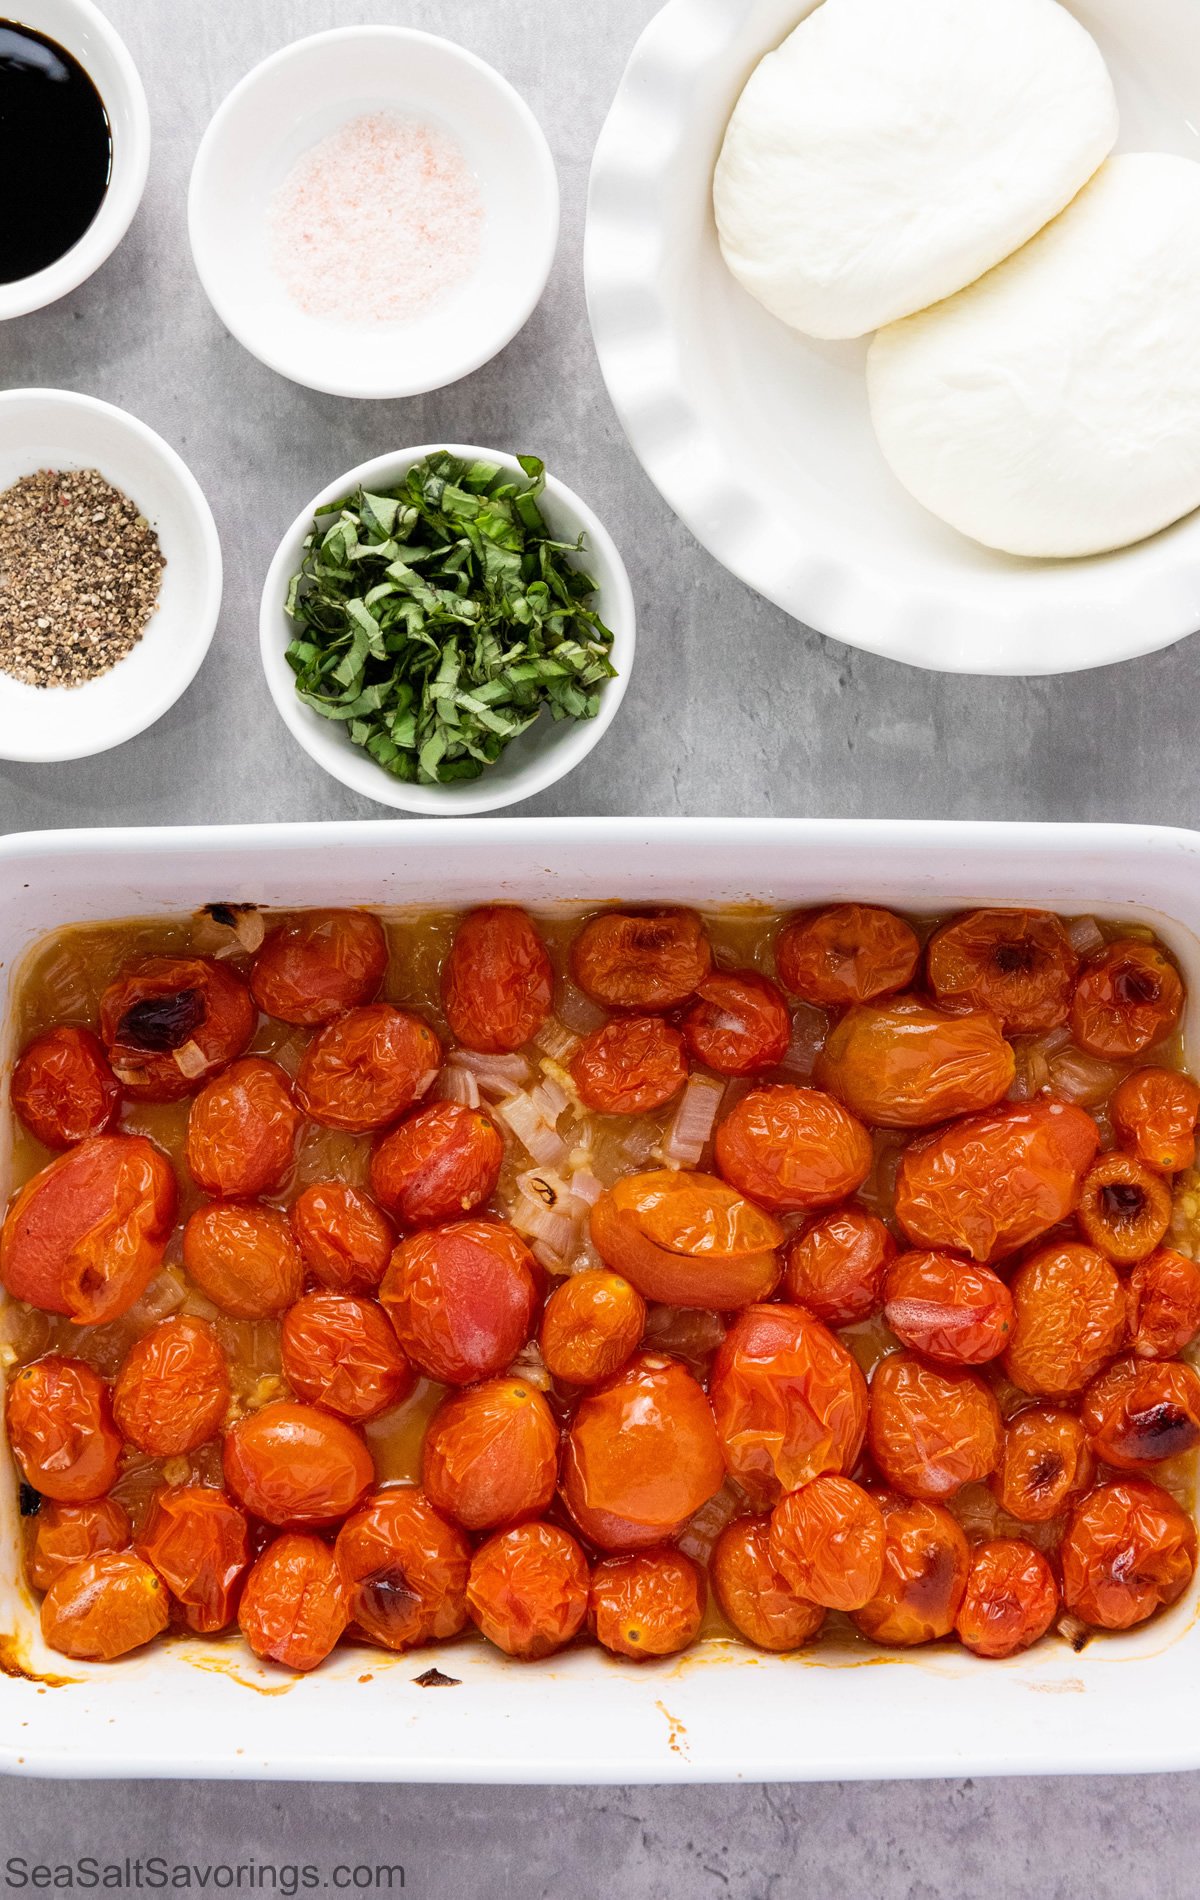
55,151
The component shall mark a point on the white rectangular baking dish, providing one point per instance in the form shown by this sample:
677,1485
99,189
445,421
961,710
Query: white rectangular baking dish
721,1712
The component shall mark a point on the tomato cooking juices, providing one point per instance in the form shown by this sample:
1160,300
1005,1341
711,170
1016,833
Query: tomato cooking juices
620,1277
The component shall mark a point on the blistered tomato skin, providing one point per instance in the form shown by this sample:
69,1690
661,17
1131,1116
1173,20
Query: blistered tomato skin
947,1308
645,960
61,1430
1154,1113
1017,963
404,1569
71,1533
102,1608
1127,998
461,1298
793,1149
63,1089
439,1164
1128,1550
497,982
827,1542
490,1456
293,1465
931,1430
687,1239
1046,1464
325,962
172,1392
169,1023
650,1604
1011,1598
849,954
1069,1318
242,1130
1163,1295
364,1069
528,1590
739,1023
904,1064
590,1325
244,1258
87,1234
836,1264
789,1401
1137,1413
344,1240
926,1563
642,1454
293,1609
342,1354
1124,1208
992,1183
199,1544
630,1066
753,1595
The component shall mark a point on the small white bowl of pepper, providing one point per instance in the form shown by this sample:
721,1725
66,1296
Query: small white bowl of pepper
110,575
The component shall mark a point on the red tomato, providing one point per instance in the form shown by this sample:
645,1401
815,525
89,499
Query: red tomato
630,1066
932,1431
1124,1209
404,1569
687,1239
365,1069
1154,1114
947,1308
173,1390
1017,963
789,1401
835,1265
490,1455
462,1298
324,962
651,1604
1137,1414
644,960
87,1235
1045,1466
168,1023
739,1023
244,1258
61,1430
642,1454
438,1165
848,954
1163,1297
102,1608
343,1354
497,983
1128,1550
293,1608
753,1595
293,1465
1011,1598
827,1541
926,1563
1127,998
1068,1320
198,1543
63,1089
793,1149
528,1590
242,1129
591,1324
903,1064
69,1534
344,1240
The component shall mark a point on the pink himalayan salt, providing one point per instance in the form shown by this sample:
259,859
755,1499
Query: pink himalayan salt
379,222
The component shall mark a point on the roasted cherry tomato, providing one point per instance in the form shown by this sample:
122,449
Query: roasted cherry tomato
69,1534
651,1604
104,1607
642,1455
462,1298
293,1609
932,1431
87,1235
995,1182
630,1066
242,1129
365,1069
789,1400
404,1569
793,1149
342,1353
490,1455
173,1390
753,1595
528,1590
739,1023
903,1064
1137,1413
947,1308
1127,998
1154,1113
591,1324
63,1089
1128,1550
827,1542
1011,1598
168,1023
244,1258
311,970
1163,1295
497,983
291,1464
198,1542
344,1240
438,1165
687,1239
835,1265
849,954
1068,1320
1017,963
926,1563
1124,1209
654,959
61,1430
1046,1464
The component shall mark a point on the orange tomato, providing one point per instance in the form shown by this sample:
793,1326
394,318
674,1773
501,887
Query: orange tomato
651,1604
932,1431
363,1070
293,1609
404,1569
344,1240
528,1590
827,1542
1154,1114
1128,997
1011,1598
1124,1209
1045,1466
324,962
835,1265
244,1258
947,1308
848,954
490,1455
630,1066
687,1239
462,1298
173,1390
168,1023
342,1353
1128,1550
789,1401
61,1430
497,982
926,1563
753,1595
1137,1413
739,1023
440,1163
645,960
1163,1296
293,1465
69,1534
642,1454
903,1064
793,1149
198,1543
1017,963
104,1607
1068,1320
242,1129
63,1089
590,1325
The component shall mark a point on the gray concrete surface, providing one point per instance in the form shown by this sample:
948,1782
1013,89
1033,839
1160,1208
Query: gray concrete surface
733,708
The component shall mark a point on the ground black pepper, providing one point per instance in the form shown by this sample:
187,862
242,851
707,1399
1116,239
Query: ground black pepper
80,571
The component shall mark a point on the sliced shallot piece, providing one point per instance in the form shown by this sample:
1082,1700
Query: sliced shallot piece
532,1130
810,1027
586,1186
190,1060
456,1084
496,1075
542,1184
692,1123
539,1222
555,1040
1085,936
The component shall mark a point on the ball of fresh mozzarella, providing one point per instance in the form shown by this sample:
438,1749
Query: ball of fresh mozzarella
1053,408
891,151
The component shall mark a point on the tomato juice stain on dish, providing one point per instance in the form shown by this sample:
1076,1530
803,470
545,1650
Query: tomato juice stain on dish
54,137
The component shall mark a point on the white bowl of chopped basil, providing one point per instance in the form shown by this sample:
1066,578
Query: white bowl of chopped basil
447,629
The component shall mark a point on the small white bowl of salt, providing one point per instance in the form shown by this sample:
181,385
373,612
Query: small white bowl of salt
373,212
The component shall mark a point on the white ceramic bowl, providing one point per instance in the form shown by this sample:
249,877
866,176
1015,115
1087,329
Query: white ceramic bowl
548,750
85,33
299,96
761,439
56,428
